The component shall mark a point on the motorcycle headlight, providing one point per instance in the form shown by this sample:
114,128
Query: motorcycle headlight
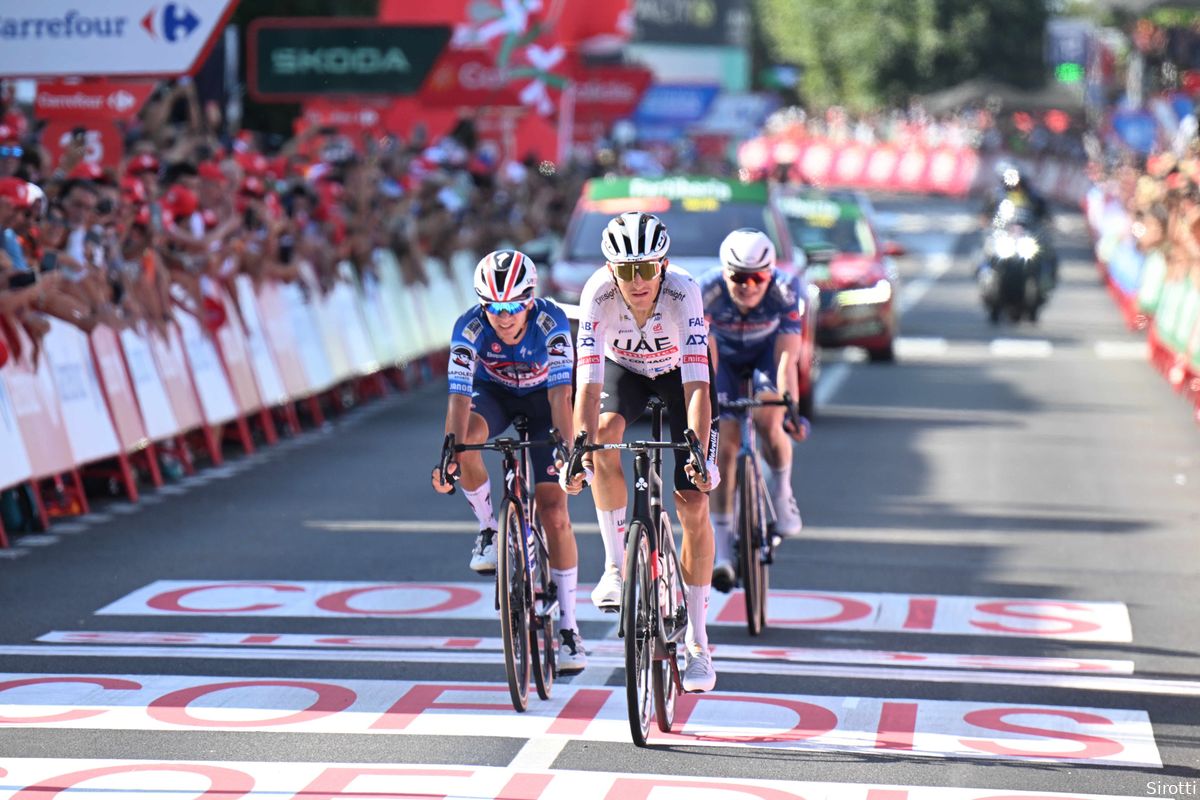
1027,247
1005,246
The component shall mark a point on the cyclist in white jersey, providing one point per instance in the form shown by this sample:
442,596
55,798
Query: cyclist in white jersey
642,332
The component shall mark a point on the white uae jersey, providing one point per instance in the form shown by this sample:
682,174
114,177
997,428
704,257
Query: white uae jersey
674,336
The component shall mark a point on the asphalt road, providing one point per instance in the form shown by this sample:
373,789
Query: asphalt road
996,590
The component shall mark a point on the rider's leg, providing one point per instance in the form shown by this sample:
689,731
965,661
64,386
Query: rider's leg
609,491
564,557
697,557
475,485
722,502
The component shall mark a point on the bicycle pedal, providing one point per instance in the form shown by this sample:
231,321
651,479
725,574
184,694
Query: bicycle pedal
607,609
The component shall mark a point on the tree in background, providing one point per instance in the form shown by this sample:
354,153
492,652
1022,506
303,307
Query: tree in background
867,53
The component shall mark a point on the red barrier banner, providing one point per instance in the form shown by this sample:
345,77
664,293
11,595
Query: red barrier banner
171,361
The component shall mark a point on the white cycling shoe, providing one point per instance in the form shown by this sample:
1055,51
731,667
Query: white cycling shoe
698,672
483,555
572,657
787,518
607,594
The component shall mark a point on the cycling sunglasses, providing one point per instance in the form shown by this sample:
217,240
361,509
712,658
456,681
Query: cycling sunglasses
646,270
11,152
514,307
752,278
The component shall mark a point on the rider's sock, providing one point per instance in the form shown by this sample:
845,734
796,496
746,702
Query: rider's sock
481,503
565,580
781,480
697,600
612,530
723,536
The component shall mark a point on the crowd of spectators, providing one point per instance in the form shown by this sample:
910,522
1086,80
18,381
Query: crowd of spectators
984,128
194,204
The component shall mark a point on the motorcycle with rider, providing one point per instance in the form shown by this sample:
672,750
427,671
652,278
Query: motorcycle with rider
1019,269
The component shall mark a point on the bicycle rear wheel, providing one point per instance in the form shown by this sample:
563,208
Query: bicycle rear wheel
672,605
750,533
514,606
638,603
541,623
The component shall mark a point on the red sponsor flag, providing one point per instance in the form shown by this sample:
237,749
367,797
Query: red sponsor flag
104,145
87,101
609,93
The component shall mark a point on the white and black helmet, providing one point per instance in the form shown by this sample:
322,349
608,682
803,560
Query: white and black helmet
747,250
505,276
634,236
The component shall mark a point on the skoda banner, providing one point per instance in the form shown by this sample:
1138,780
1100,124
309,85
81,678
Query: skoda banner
295,58
108,38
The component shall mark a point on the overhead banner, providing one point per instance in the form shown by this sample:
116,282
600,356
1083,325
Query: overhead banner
90,100
295,58
108,37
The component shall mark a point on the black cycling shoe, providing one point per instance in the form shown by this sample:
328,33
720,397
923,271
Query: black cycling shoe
724,577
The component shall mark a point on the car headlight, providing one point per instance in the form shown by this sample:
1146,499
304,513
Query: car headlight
881,292
1004,245
1027,247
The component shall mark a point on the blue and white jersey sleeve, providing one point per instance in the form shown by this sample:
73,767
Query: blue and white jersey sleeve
464,350
790,290
560,354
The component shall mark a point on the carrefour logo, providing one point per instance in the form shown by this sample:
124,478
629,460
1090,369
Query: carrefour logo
174,23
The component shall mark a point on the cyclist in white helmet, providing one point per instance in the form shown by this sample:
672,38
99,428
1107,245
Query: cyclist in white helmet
754,313
511,354
642,333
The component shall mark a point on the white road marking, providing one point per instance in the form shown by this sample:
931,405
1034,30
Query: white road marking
71,778
1021,348
610,646
1122,351
921,347
40,539
605,664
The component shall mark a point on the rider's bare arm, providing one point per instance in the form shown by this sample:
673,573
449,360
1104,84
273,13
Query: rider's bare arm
787,356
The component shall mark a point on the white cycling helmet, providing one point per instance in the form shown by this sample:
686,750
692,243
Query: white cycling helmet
634,236
747,250
505,276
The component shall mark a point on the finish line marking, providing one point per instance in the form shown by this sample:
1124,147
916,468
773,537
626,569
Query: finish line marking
298,780
603,647
947,729
602,658
848,611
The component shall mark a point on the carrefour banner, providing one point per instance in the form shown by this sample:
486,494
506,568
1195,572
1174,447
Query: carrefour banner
48,38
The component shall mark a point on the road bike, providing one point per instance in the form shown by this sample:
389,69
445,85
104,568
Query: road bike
653,605
755,511
526,596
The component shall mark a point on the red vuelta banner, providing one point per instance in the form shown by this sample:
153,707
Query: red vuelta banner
609,93
90,100
468,78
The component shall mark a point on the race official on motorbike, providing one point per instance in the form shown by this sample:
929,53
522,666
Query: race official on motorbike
1014,195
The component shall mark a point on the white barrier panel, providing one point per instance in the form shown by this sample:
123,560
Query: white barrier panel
85,413
148,386
171,360
310,348
351,327
397,306
216,398
270,383
327,325
39,417
231,339
444,304
384,340
277,326
127,419
14,467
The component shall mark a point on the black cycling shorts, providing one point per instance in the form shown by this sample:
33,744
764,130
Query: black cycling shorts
627,393
498,407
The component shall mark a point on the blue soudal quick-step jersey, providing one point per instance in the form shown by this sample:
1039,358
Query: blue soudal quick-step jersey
542,359
742,337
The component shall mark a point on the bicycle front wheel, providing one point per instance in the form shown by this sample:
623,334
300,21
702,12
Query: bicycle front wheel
672,609
512,591
638,605
541,623
750,536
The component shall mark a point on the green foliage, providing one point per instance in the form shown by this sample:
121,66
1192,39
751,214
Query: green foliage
864,53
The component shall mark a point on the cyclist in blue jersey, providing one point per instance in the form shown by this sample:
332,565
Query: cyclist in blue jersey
753,314
511,355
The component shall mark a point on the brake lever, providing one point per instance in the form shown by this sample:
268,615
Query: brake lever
698,461
447,458
575,463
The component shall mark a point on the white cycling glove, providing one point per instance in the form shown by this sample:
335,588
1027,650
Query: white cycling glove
587,477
